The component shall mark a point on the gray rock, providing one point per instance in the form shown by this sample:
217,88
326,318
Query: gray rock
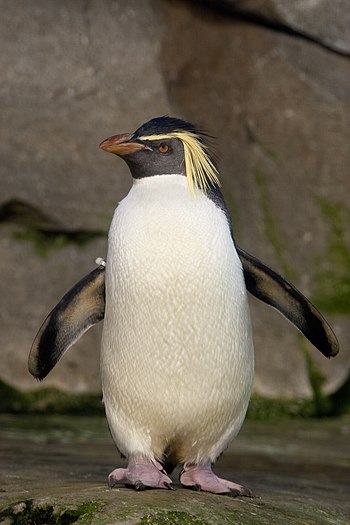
74,74
320,20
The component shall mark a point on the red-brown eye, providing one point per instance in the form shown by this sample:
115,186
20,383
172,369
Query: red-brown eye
163,148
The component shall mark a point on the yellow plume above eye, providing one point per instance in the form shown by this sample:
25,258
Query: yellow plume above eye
200,170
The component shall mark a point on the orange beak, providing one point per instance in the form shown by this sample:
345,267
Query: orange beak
120,145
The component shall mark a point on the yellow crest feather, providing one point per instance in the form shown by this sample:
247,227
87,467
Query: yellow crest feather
200,170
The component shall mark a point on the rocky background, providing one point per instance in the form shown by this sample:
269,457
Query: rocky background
270,79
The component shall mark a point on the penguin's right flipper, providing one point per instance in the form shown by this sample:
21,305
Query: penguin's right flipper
273,289
78,310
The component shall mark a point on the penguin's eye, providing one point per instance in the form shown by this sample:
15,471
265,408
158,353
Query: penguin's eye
163,148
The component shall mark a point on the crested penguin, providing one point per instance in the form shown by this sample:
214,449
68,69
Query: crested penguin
177,358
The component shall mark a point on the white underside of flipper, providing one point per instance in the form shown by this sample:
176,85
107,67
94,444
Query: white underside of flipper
177,352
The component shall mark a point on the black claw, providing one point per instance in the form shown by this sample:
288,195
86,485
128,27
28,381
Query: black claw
169,486
195,487
111,484
232,494
246,492
139,486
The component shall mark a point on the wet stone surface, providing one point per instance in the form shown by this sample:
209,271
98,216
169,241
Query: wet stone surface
54,471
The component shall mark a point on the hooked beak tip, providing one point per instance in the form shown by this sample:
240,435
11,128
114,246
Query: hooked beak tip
121,145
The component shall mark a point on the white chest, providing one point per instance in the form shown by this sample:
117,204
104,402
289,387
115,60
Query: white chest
160,231
171,260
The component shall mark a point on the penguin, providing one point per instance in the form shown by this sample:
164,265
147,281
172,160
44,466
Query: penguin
177,356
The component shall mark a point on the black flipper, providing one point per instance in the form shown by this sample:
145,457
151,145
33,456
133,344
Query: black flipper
78,310
273,289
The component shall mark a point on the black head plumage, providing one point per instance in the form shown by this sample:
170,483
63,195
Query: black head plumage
164,125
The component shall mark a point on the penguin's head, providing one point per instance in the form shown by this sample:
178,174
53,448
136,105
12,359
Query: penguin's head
166,146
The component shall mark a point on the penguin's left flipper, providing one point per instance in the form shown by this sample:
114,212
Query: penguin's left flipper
273,289
78,310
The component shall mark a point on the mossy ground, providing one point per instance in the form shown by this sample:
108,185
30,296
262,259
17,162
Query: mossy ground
25,513
29,512
171,518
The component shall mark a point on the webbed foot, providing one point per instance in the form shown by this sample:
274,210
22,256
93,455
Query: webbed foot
141,474
201,477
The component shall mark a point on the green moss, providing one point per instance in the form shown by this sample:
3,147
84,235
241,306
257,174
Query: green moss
27,513
332,281
271,227
48,400
322,405
171,518
83,513
11,399
42,231
265,409
46,241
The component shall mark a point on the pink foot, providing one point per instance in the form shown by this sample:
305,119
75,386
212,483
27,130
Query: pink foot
201,477
141,474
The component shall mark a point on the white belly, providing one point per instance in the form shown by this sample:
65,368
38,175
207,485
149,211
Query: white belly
177,352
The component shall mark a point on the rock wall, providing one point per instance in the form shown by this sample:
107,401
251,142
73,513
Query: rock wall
274,96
